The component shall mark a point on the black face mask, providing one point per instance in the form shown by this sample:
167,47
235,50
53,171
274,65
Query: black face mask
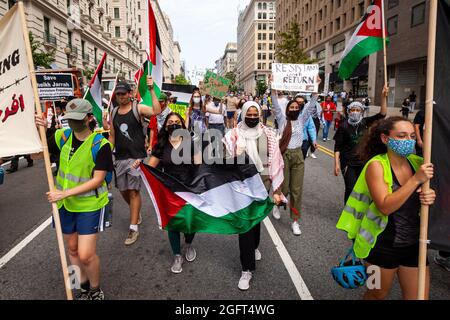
293,115
172,128
216,103
251,122
77,125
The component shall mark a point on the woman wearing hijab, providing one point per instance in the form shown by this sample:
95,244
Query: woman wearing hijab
291,122
254,139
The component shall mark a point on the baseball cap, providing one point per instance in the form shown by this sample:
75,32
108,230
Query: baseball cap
77,109
123,87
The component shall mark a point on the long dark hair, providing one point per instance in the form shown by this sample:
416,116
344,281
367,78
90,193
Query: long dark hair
371,145
191,102
287,133
163,135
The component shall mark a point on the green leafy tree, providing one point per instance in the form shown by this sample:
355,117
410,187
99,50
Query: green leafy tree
289,49
88,73
232,76
180,79
40,57
261,86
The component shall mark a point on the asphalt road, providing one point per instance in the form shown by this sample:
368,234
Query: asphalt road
142,271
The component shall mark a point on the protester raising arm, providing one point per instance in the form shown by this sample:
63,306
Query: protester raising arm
145,111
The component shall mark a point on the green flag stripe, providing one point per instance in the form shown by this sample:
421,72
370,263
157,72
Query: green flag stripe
146,97
191,220
96,110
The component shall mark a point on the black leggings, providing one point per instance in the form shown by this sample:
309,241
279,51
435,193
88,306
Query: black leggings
351,175
248,242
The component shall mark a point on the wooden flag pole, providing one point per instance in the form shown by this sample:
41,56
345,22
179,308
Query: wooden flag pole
112,92
383,22
424,212
51,183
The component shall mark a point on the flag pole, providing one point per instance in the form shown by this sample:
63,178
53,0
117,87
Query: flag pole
424,212
51,184
112,92
384,44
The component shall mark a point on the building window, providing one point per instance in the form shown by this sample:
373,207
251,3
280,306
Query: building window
116,13
140,31
338,24
418,14
117,32
361,9
11,3
392,25
139,5
139,18
95,56
338,47
320,55
392,3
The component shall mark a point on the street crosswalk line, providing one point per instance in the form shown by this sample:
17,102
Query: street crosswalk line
296,278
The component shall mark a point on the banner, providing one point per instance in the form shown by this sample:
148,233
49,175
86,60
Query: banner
55,86
179,108
18,133
295,77
439,227
215,85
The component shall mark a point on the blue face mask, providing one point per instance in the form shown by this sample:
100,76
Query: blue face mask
403,148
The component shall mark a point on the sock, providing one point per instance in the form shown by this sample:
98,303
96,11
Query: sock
134,227
86,286
93,290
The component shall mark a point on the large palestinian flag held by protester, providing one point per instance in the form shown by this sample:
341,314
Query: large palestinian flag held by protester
439,227
94,92
220,199
367,39
154,64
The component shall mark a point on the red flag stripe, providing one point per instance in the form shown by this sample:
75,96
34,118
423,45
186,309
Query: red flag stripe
99,67
152,33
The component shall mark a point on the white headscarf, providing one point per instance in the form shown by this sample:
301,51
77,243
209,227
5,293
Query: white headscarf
248,137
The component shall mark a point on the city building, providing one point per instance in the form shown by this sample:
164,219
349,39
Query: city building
256,43
327,25
99,26
227,63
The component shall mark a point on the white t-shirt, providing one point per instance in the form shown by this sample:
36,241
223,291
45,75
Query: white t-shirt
215,118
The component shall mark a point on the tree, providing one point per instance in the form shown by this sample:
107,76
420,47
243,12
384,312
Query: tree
289,50
40,57
261,86
180,79
231,76
88,73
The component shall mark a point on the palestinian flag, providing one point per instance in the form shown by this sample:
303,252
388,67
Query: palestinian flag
367,39
221,199
94,92
154,64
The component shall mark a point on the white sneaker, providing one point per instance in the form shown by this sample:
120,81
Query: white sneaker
324,139
258,256
244,281
313,156
296,228
177,263
276,213
307,154
191,254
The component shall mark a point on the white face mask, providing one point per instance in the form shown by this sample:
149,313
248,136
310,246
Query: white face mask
196,100
231,95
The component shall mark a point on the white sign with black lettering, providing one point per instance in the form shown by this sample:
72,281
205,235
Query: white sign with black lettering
295,77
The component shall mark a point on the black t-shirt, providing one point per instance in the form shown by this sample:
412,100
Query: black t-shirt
103,162
347,138
420,120
129,137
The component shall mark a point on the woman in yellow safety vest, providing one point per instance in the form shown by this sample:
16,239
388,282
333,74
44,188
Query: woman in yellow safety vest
382,213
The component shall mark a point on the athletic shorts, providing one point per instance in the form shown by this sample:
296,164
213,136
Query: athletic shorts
230,114
83,223
127,178
389,257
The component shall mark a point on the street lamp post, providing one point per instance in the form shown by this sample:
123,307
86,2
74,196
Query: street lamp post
256,83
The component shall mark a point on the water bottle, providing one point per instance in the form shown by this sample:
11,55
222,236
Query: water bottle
2,175
108,212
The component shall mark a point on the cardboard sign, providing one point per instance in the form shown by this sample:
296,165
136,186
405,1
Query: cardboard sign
179,108
215,85
295,77
54,86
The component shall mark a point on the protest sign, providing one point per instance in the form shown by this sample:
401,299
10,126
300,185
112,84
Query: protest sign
215,85
179,108
18,133
295,77
55,86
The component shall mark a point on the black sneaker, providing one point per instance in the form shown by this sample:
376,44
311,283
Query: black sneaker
97,294
83,295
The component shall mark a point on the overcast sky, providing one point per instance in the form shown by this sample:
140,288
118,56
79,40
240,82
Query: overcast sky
203,28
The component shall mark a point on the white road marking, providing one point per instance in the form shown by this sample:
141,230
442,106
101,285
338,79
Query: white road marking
296,278
22,244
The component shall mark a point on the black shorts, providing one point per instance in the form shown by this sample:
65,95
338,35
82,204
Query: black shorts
389,257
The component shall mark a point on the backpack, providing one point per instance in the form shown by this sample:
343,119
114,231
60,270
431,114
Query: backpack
94,149
134,108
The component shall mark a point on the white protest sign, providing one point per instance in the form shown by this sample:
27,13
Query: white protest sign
295,77
18,133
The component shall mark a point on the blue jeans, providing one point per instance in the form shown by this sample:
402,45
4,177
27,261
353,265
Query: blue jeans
326,129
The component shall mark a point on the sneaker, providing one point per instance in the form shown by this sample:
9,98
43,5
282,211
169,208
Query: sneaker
30,164
11,170
442,262
313,156
177,263
140,219
296,228
191,254
97,294
324,139
132,237
244,281
276,213
82,295
307,154
258,256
